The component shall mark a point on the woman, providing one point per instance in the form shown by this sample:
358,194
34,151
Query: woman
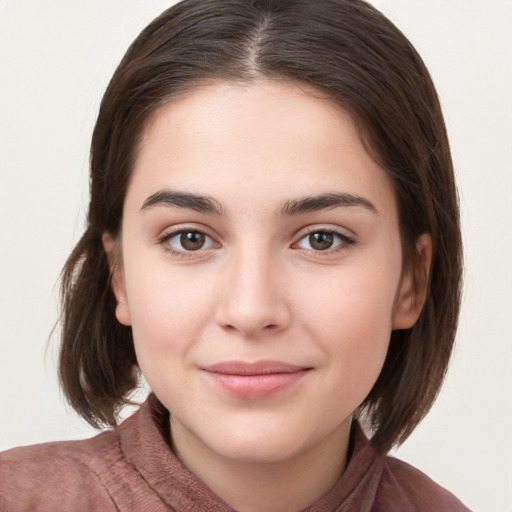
273,242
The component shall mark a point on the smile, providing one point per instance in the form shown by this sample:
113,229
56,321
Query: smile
254,380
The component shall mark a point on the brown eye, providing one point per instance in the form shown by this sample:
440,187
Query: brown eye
192,240
321,241
187,241
324,241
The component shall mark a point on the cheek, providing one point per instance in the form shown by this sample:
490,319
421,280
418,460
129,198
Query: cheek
352,320
168,313
352,305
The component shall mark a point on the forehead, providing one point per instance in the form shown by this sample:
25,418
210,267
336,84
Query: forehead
271,138
250,110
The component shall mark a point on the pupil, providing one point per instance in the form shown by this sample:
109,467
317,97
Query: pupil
192,240
321,241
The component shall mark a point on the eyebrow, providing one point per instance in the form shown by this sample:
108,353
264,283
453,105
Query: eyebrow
325,202
206,204
171,198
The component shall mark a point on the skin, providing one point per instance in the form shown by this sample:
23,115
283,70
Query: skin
260,288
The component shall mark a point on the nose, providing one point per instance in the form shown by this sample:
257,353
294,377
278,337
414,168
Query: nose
253,301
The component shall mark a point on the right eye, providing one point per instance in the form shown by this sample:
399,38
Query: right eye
324,241
187,241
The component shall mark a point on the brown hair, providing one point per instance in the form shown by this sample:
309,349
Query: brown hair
344,48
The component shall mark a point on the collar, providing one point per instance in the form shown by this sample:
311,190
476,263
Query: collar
145,442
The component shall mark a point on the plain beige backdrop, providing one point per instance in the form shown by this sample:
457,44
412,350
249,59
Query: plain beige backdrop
56,58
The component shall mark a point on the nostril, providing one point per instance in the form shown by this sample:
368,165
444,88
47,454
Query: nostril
266,328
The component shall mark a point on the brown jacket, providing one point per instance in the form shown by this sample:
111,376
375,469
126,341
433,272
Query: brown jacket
132,468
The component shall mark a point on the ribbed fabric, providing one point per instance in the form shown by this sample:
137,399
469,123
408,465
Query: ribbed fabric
132,468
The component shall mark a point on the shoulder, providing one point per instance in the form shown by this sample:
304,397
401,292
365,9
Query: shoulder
403,484
66,475
107,472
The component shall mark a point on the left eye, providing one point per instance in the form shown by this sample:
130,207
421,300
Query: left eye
322,240
189,241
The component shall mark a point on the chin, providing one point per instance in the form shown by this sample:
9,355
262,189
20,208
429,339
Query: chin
257,445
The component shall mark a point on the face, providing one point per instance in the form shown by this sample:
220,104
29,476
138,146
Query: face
260,269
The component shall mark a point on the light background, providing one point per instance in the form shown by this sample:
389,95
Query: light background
56,58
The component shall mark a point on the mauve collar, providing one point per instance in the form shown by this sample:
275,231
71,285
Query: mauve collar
145,443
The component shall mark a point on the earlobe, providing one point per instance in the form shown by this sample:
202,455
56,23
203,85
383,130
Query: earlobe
117,281
412,291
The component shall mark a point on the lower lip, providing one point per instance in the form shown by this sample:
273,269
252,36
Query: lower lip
255,387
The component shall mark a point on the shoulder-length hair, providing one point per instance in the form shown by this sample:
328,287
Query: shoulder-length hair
353,54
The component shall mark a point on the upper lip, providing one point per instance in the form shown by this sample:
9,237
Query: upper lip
255,368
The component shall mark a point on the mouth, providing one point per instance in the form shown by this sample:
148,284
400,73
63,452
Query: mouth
253,381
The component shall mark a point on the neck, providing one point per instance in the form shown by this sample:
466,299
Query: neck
285,485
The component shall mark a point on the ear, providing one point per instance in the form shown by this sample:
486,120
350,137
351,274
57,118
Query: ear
413,288
117,281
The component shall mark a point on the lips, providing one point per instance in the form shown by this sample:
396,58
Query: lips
253,381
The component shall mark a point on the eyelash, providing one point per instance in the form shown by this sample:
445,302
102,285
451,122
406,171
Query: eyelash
166,237
344,241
